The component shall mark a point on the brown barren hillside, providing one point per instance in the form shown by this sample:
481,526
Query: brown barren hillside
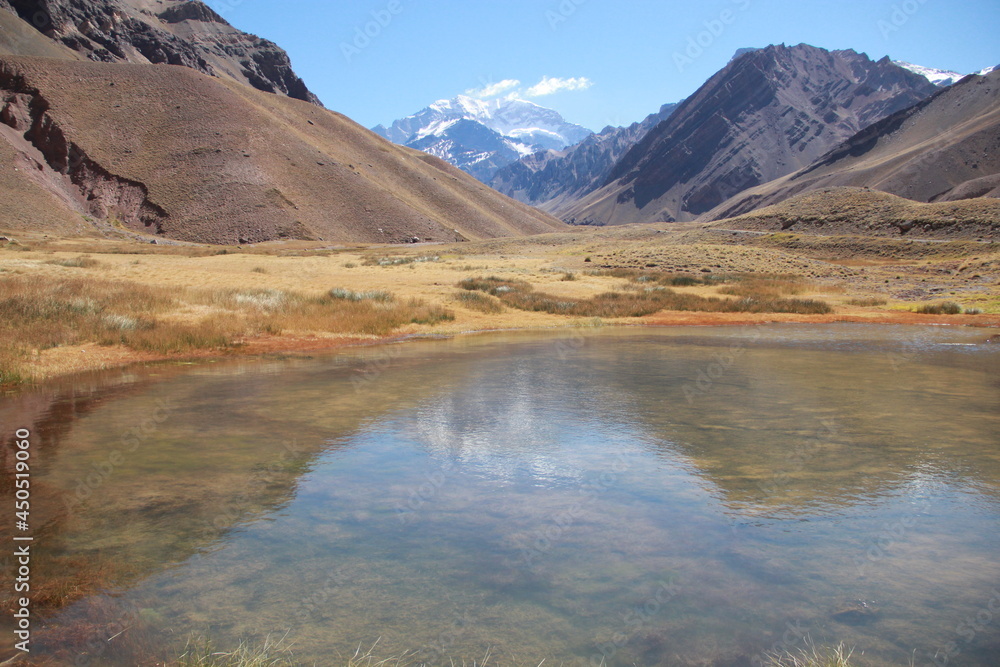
859,211
943,149
168,151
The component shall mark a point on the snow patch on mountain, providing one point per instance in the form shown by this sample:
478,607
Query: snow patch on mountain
938,77
507,130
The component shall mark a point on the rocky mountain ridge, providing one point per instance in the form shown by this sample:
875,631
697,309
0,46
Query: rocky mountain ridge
554,180
174,32
768,113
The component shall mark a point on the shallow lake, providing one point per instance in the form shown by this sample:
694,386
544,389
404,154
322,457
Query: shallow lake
689,496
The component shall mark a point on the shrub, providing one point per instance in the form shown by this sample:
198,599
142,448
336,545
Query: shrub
398,261
867,302
350,295
480,302
946,308
82,262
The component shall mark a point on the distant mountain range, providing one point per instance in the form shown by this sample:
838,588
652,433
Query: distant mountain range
768,113
481,136
554,179
100,137
232,147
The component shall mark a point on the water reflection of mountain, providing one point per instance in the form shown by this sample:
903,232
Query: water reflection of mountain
776,429
790,428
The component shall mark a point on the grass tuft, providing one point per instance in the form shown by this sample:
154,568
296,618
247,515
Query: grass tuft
838,656
867,302
81,262
350,295
269,653
400,261
478,301
946,308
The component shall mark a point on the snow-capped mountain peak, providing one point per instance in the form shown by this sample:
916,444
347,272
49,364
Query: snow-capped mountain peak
938,77
510,126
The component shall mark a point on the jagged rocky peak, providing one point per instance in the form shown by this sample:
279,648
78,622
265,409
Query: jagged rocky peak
192,10
768,113
164,32
743,52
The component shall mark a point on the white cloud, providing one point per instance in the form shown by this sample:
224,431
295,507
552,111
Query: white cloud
493,89
550,85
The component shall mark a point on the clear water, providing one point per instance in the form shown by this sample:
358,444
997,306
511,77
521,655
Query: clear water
649,497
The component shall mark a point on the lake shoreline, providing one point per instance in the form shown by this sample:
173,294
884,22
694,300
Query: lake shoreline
62,362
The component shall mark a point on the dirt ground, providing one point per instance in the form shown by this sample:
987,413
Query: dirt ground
903,273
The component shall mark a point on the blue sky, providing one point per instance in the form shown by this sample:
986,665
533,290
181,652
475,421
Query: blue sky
605,63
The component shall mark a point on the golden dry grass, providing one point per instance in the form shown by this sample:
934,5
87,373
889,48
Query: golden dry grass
640,300
198,300
40,312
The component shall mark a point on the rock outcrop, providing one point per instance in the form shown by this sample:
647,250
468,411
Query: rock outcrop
174,32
